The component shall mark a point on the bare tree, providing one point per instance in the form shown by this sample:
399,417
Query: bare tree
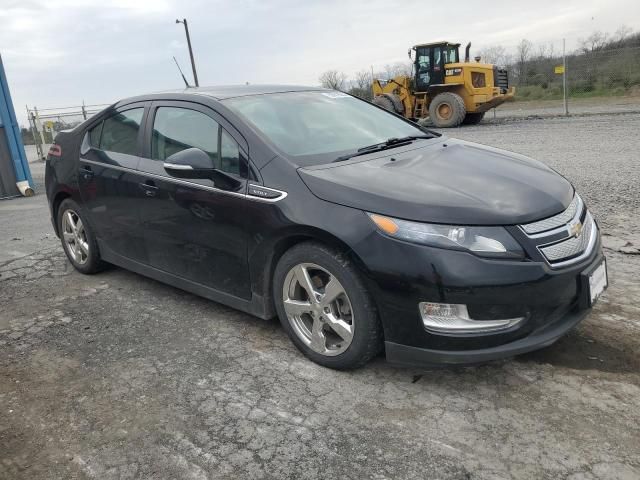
397,69
363,79
545,51
361,85
622,33
594,42
333,79
495,54
523,55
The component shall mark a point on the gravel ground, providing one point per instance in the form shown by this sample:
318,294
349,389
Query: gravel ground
118,376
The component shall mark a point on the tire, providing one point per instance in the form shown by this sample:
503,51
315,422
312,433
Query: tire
473,118
351,311
80,247
447,110
390,102
398,106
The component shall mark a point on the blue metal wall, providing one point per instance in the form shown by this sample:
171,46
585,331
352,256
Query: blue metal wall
12,156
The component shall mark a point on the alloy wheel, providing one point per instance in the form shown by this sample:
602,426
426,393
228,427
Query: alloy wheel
318,308
75,237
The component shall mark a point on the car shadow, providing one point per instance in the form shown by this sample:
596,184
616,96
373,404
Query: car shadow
580,351
577,350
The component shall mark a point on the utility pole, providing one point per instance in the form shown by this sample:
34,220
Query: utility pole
193,63
564,78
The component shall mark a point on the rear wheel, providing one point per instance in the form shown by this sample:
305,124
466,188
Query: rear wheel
325,308
473,118
78,240
447,110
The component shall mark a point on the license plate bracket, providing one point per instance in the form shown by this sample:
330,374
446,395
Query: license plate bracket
595,281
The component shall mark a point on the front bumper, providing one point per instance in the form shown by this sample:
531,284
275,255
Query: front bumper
487,102
552,300
543,337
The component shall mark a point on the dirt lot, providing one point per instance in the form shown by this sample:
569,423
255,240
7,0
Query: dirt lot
118,376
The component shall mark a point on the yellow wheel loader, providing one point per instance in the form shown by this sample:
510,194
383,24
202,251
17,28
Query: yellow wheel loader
444,89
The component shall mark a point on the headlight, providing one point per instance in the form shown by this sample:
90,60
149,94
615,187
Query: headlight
482,241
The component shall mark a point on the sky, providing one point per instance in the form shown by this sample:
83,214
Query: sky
62,52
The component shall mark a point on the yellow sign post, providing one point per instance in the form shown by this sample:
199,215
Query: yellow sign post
559,69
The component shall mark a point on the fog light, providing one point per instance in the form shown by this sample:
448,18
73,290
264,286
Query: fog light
454,318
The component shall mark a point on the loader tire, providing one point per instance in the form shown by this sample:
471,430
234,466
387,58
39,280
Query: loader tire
389,102
398,106
473,118
447,110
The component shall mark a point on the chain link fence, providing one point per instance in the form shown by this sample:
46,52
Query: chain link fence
45,123
551,79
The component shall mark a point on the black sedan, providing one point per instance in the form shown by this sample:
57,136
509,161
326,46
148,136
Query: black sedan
359,229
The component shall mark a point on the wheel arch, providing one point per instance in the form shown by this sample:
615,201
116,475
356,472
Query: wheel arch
290,239
55,206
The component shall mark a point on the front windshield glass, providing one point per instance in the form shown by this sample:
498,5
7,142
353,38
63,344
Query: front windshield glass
320,124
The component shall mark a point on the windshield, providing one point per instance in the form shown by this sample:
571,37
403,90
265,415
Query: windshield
320,125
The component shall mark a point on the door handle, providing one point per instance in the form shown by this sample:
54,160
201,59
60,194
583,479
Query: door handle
149,188
86,172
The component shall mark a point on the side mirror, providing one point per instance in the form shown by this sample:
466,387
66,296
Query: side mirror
194,163
189,163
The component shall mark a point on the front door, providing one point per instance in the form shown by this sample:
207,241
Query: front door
109,182
423,68
195,228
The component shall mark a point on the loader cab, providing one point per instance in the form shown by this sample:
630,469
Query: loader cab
430,61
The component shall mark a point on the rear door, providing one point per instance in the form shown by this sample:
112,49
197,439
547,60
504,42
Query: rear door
196,228
110,183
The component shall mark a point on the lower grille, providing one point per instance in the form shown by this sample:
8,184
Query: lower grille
573,248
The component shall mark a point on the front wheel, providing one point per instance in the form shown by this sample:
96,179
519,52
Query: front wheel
447,110
325,308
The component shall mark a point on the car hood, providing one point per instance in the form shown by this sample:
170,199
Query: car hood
444,181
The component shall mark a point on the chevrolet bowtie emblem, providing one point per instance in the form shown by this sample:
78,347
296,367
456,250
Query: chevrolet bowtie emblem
574,229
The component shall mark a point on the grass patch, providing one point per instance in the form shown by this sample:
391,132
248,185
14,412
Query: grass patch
554,92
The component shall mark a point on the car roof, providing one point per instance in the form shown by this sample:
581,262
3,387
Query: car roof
221,92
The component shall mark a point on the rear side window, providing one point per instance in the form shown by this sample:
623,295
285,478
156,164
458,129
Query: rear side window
120,132
176,129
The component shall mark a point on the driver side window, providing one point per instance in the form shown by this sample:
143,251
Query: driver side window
176,129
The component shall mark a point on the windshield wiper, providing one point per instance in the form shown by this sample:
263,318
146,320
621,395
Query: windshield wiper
376,147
